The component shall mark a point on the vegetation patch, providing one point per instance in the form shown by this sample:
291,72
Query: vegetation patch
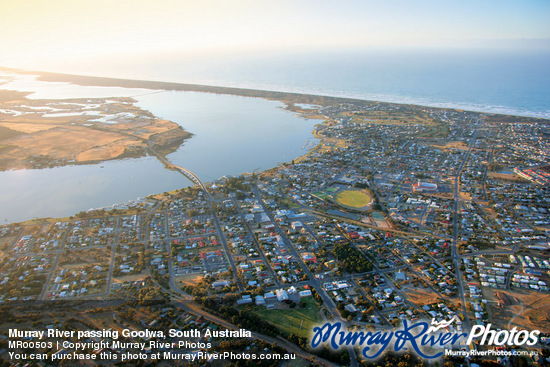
351,259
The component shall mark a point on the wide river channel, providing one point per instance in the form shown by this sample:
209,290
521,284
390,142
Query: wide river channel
232,135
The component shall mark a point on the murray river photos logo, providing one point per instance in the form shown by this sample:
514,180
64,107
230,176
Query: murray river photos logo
423,338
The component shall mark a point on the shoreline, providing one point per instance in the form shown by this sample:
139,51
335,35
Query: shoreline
291,103
285,97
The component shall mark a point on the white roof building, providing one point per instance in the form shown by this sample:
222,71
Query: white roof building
282,295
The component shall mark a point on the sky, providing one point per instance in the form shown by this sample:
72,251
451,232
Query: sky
54,34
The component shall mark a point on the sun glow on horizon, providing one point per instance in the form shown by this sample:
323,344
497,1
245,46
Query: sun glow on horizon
58,32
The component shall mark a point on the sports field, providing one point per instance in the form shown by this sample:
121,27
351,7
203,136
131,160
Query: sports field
356,199
298,321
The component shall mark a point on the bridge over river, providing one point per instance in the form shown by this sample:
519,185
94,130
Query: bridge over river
184,171
191,176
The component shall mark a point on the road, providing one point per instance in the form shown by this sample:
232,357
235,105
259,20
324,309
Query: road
113,249
223,241
260,251
316,284
454,248
329,304
54,265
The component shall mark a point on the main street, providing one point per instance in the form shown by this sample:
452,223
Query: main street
260,251
454,249
329,304
113,253
62,243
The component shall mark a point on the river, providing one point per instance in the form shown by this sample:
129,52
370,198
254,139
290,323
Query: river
232,135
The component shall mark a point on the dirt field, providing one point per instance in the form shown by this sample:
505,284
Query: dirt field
130,278
5,242
106,151
420,296
26,128
189,279
382,224
523,309
63,142
465,196
379,220
459,145
39,133
147,130
505,176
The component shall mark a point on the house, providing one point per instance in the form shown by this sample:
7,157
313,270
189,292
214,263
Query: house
220,284
350,308
400,276
305,293
244,301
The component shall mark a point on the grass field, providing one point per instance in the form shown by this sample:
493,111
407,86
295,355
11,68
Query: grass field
434,130
291,204
321,195
290,320
356,199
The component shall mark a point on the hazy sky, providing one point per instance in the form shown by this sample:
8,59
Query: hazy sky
41,33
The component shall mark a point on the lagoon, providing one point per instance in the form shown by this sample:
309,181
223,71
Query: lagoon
232,135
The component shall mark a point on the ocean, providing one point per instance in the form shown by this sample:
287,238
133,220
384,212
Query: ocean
493,81
258,134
